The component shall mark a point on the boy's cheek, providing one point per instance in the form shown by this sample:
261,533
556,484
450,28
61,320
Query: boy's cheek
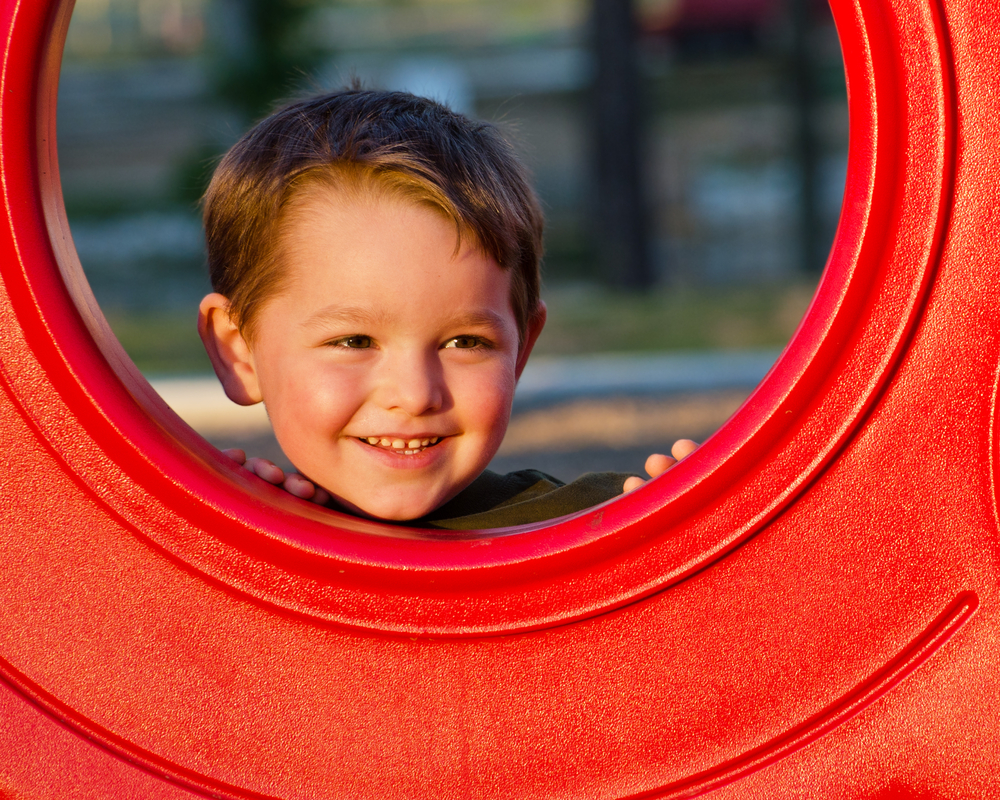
306,428
312,393
487,406
310,410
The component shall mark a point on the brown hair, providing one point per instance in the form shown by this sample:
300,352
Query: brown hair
405,143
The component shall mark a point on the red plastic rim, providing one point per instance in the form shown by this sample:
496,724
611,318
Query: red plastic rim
128,451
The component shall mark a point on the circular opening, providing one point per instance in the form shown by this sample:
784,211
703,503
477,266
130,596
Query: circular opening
618,552
618,373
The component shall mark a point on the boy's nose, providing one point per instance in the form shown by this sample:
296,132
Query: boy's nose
414,384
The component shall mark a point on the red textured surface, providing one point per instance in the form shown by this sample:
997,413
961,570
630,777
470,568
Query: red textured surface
806,608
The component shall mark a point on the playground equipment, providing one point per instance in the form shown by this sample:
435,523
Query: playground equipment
807,607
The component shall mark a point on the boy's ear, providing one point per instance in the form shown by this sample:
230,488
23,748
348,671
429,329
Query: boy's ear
531,332
228,351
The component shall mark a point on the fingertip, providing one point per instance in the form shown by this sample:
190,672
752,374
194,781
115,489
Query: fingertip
296,485
265,470
631,484
658,463
236,454
683,448
321,497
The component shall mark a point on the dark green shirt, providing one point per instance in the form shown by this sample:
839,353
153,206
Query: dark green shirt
517,498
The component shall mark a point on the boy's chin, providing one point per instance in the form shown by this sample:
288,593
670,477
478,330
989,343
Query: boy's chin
405,499
392,511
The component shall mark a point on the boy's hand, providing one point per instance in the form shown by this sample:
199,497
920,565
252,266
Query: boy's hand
658,463
293,483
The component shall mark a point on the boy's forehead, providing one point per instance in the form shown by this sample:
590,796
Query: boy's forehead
333,191
353,217
366,207
354,255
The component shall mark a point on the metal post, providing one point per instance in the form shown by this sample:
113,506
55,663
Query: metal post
807,148
620,223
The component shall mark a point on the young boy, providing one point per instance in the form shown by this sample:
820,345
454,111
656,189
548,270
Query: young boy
375,260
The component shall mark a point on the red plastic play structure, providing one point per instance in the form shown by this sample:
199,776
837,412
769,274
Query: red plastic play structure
806,608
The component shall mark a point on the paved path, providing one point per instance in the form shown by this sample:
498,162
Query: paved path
548,379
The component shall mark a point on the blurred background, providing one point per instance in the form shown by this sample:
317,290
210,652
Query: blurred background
690,156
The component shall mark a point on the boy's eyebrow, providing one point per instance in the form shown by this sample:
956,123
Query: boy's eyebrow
336,314
480,318
484,318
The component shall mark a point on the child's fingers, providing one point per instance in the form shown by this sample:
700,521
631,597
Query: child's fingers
683,448
264,469
658,463
632,483
235,454
322,496
300,487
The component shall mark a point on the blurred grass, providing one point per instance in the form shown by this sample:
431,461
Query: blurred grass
582,319
600,320
161,342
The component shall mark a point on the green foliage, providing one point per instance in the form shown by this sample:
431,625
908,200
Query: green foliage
161,343
270,58
259,55
193,173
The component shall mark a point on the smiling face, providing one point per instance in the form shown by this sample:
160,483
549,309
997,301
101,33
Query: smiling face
388,360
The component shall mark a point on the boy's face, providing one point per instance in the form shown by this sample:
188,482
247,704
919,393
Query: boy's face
388,361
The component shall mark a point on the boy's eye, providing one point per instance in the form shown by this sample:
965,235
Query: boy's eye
465,342
357,342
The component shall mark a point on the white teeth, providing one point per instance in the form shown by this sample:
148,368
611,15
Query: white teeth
408,446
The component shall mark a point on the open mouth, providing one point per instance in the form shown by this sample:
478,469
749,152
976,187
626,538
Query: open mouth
406,447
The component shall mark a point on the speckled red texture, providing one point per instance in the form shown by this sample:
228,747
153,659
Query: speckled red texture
806,608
